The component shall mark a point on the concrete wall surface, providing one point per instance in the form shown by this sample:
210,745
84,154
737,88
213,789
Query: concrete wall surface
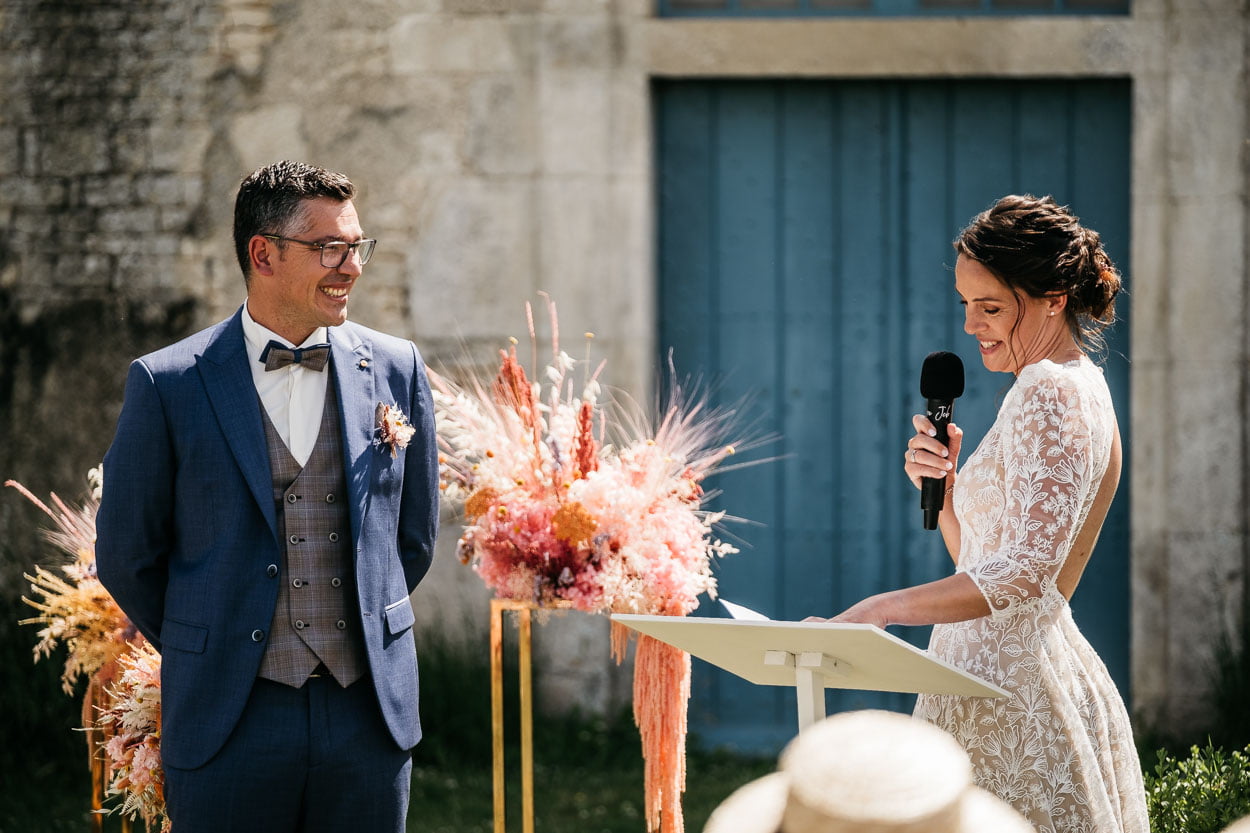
502,148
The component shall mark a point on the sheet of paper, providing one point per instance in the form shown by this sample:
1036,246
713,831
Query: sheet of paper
740,612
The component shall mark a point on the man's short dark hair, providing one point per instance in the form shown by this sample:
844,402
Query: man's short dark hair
270,198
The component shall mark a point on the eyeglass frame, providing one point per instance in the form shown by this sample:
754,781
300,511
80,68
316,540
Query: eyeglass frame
321,247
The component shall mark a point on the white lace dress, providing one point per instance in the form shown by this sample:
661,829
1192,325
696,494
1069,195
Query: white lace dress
1060,749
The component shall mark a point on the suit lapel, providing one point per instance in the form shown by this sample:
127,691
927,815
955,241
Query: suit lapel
351,362
228,381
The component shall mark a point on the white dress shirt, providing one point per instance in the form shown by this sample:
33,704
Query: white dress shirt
293,396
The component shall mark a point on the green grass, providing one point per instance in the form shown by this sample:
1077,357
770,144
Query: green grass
583,793
569,796
588,769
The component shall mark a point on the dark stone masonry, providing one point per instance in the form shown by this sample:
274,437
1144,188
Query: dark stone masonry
104,136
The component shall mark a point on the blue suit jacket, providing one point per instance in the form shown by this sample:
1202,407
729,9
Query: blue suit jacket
187,528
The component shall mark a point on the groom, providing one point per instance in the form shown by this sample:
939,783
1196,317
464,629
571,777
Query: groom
263,522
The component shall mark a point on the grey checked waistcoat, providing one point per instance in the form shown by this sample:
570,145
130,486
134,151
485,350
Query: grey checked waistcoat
316,619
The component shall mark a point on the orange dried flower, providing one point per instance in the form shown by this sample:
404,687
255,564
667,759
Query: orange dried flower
573,524
479,502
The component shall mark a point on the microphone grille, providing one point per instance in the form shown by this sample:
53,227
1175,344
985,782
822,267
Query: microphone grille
942,376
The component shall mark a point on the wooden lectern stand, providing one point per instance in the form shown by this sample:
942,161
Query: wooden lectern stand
811,656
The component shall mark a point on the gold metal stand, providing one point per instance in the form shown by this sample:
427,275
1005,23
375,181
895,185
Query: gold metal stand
522,609
524,622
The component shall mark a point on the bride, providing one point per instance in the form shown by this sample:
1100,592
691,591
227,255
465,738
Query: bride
1026,509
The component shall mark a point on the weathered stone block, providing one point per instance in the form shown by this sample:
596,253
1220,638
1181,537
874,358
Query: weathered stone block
179,145
166,189
471,269
578,43
44,192
573,118
502,136
268,134
1205,490
476,6
1206,289
578,7
431,43
1202,49
80,149
573,651
575,245
111,189
10,151
133,220
1204,594
130,147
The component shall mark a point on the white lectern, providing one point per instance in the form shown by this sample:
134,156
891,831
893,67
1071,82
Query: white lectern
811,656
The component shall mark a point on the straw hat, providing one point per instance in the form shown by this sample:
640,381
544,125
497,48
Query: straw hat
868,772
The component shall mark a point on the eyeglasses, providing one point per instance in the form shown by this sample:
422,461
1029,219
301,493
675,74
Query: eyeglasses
335,252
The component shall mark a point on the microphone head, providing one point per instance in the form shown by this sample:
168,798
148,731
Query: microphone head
942,376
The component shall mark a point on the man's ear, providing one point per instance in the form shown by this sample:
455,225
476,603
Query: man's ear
261,251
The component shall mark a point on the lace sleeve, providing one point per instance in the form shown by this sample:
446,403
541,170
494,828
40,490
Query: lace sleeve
1049,465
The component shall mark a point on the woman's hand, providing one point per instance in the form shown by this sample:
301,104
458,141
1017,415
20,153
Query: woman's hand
926,456
873,610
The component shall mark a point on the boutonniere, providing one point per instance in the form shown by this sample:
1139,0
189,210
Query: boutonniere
393,429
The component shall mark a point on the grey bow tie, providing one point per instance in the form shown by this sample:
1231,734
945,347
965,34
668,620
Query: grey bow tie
276,356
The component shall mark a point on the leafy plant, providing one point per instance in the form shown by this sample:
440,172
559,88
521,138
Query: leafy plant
1200,794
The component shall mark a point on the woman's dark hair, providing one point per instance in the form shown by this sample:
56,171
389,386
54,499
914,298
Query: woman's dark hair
271,197
1038,247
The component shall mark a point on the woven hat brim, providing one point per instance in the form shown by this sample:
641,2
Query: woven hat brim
758,807
755,807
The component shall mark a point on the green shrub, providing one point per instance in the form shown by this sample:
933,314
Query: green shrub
1201,794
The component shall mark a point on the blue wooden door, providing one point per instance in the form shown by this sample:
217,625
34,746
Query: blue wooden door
805,260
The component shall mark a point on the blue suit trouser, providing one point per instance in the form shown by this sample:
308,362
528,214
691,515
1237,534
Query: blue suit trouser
305,760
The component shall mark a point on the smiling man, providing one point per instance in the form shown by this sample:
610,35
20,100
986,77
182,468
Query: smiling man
260,529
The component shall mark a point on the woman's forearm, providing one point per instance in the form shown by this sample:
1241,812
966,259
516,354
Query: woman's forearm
951,599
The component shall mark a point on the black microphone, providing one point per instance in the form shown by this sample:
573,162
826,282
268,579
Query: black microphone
941,383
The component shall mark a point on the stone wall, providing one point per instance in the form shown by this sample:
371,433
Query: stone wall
503,147
98,195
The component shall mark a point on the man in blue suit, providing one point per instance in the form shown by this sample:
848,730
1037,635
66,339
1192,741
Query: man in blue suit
270,501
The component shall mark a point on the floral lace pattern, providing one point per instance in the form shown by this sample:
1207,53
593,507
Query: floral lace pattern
1060,748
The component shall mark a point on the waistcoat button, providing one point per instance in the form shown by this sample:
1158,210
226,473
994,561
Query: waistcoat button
291,498
258,635
297,582
336,582
340,624
329,498
272,571
299,624
294,539
334,537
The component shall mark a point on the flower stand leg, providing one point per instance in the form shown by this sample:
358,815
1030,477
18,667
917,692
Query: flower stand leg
497,608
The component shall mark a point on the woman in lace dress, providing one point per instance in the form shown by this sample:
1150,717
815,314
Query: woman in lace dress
1027,506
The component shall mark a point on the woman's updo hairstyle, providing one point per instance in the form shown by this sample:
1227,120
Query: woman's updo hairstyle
1038,247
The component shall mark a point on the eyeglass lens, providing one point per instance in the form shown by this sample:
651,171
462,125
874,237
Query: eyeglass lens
333,254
